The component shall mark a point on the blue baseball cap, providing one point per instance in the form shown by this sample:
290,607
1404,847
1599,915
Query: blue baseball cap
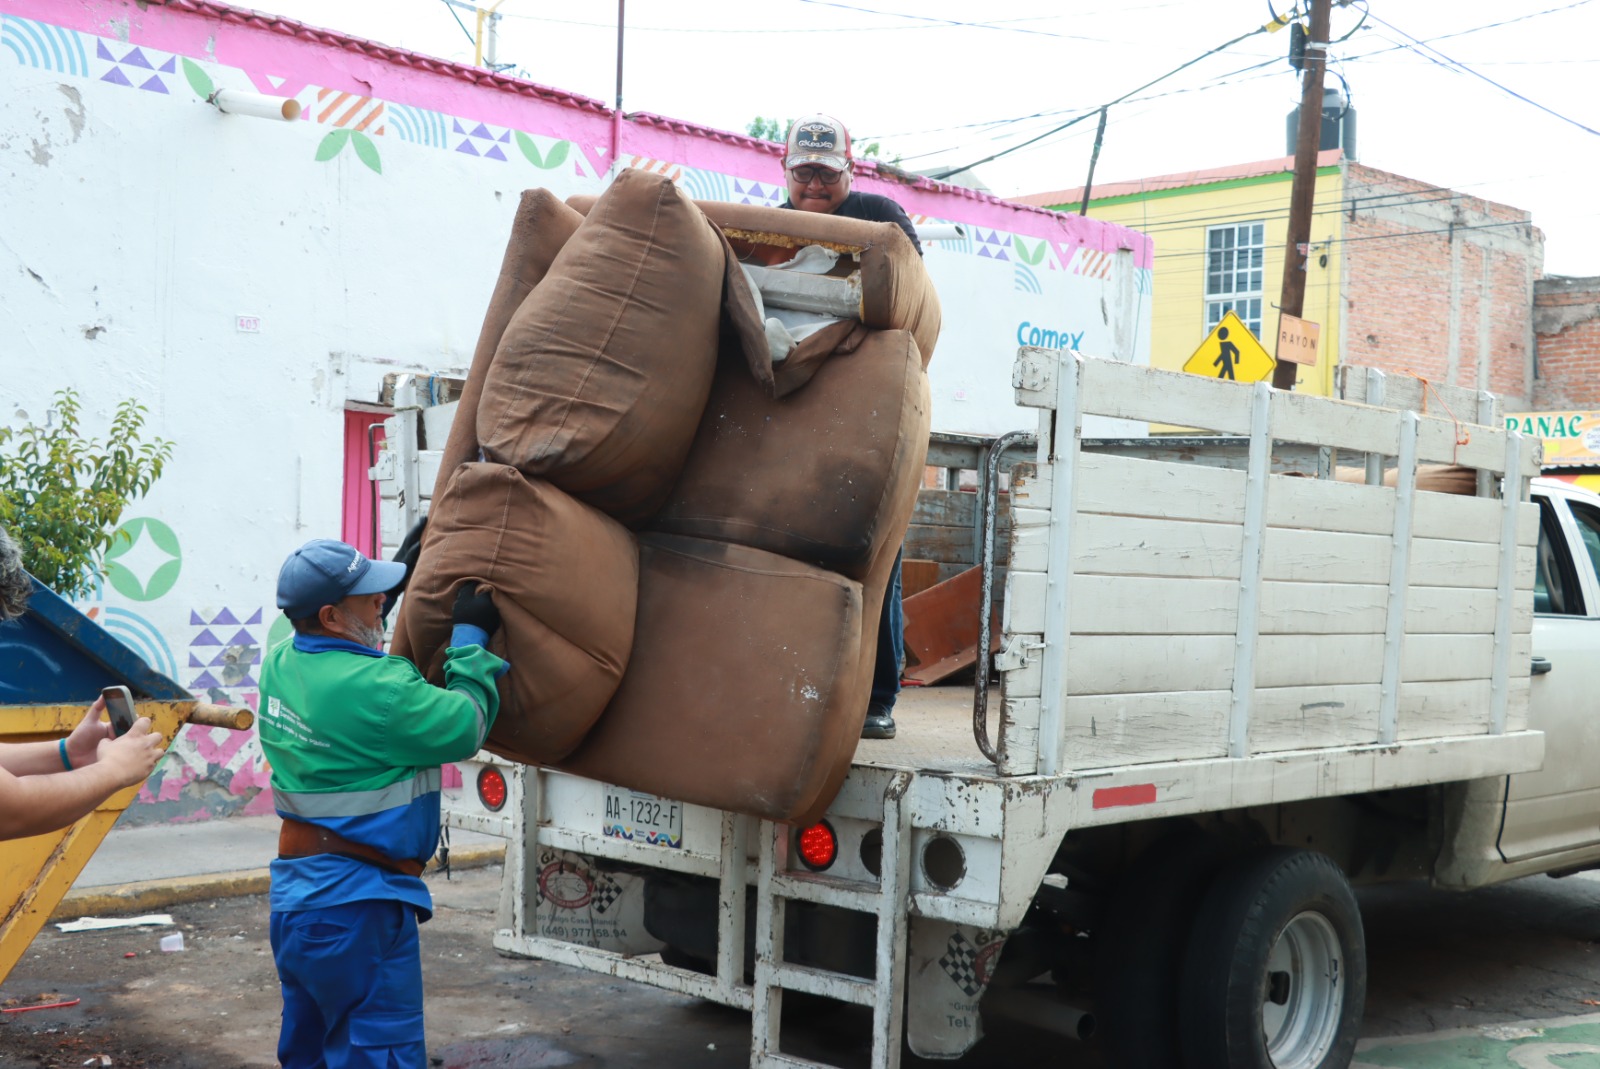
325,571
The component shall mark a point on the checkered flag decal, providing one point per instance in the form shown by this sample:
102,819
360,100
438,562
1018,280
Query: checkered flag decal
606,891
957,963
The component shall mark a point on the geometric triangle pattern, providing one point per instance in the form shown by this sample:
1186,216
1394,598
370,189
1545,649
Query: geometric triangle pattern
768,194
993,245
225,664
477,139
137,67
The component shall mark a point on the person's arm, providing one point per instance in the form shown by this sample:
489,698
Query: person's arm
41,758
34,804
436,724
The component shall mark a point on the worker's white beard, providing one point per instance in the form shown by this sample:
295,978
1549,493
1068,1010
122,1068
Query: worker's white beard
363,635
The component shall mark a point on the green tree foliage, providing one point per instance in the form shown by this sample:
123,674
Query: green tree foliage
768,129
61,494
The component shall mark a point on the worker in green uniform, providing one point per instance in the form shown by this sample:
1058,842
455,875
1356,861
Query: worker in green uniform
356,738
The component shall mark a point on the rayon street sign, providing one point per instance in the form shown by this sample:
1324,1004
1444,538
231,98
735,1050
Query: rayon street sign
1230,351
1297,339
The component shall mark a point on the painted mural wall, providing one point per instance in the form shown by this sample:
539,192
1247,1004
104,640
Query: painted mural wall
250,281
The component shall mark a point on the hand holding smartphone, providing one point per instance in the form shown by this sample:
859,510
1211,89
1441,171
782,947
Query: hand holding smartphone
119,703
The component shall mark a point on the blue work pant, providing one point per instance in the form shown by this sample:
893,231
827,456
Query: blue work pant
352,987
891,643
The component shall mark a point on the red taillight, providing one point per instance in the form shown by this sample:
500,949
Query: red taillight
818,846
492,789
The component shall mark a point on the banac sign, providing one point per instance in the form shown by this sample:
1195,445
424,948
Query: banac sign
1044,338
1571,439
1549,424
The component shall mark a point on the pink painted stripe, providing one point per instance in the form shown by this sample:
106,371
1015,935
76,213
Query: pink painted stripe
1111,797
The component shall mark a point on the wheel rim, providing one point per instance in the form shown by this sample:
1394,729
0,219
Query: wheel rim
1304,999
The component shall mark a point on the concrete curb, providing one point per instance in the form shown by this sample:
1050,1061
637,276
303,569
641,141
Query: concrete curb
148,895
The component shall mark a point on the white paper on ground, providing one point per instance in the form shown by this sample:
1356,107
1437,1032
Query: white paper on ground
95,924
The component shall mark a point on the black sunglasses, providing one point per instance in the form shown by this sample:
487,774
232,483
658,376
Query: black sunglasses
804,175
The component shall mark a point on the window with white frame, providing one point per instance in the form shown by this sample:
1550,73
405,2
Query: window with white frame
1234,255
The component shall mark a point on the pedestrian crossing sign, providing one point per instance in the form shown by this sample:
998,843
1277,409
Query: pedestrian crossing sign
1230,351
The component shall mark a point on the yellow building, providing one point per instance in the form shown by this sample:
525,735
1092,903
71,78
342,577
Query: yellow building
1401,275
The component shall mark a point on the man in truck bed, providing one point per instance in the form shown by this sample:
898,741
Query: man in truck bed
817,165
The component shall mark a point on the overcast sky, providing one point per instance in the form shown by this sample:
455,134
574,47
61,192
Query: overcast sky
937,94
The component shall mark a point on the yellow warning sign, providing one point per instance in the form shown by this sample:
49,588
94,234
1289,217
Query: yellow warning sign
1230,351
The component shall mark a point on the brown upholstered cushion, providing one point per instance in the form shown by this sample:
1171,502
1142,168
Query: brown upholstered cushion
541,227
565,580
739,689
602,374
817,476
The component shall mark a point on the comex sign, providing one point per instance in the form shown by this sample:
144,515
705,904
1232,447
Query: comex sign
1042,338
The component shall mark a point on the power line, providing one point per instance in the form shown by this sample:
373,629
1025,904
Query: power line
1084,113
1108,104
954,22
451,8
1448,63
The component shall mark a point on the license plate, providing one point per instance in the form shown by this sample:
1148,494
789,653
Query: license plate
643,818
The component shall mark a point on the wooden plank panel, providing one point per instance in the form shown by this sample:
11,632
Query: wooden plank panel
1326,505
1299,718
1122,545
1127,664
1126,486
1310,660
1130,391
1030,546
952,508
1445,707
1131,729
1325,556
1409,392
1149,605
947,545
1447,562
1469,519
1299,417
1146,605
1323,608
1437,444
1429,658
1454,611
1023,609
1521,690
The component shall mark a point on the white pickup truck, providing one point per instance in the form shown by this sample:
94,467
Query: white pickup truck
1227,691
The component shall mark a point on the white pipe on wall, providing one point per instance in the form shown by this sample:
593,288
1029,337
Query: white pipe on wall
238,102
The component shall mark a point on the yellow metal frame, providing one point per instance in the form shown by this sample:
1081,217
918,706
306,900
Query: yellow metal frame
36,872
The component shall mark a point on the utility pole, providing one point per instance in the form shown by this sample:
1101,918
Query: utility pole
488,27
1302,196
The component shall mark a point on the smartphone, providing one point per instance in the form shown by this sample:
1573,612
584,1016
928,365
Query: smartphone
119,703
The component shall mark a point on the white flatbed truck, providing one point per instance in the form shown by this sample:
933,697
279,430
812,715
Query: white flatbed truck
1226,693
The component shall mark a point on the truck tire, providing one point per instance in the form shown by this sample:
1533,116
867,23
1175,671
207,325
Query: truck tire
1275,972
1139,950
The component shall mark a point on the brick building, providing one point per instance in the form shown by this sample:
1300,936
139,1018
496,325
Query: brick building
1566,326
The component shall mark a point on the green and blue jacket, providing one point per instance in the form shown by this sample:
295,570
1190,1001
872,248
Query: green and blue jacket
355,739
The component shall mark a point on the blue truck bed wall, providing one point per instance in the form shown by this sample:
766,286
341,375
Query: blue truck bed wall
53,655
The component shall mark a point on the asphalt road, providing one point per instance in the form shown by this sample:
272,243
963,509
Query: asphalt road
1454,981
